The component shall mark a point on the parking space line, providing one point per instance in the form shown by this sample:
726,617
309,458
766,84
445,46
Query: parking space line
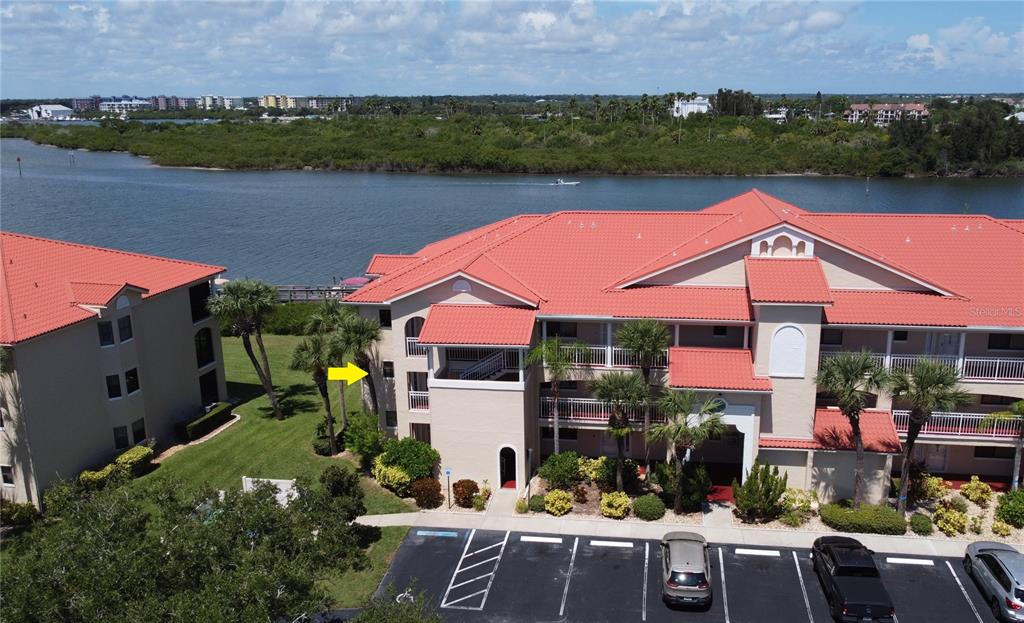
803,589
568,577
964,591
444,599
487,591
757,552
541,539
725,595
924,562
479,577
483,549
483,562
611,544
647,557
450,535
449,604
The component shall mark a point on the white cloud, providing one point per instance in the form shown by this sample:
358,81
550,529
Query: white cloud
918,42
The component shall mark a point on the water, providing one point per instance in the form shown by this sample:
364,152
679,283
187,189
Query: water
306,227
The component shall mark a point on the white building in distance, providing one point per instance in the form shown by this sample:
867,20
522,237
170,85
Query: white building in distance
50,111
684,108
125,105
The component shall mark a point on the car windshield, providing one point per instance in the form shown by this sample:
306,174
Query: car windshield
684,578
857,572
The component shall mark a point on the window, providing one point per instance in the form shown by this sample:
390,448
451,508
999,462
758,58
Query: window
204,347
197,296
1006,341
106,330
988,399
562,329
900,336
124,328
719,331
564,434
8,475
139,430
384,317
113,386
388,369
993,452
831,337
420,432
208,391
391,419
120,437
131,381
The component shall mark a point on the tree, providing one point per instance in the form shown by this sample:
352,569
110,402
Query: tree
245,305
688,425
647,340
560,360
852,378
621,391
314,354
929,386
1014,414
329,317
359,337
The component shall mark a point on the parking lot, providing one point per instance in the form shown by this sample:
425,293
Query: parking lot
476,575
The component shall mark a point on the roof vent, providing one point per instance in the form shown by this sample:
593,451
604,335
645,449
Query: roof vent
639,236
907,240
593,224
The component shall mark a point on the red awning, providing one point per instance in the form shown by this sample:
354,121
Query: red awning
714,368
832,432
787,280
478,325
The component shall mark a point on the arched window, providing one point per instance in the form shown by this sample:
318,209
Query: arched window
801,249
461,285
122,302
204,347
789,352
764,248
413,326
782,246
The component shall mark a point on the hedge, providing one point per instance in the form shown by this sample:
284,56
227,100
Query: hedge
1011,508
135,460
91,479
921,524
561,470
208,422
868,518
416,458
16,513
392,478
649,507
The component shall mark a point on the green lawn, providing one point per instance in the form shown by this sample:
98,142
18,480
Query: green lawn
353,589
260,445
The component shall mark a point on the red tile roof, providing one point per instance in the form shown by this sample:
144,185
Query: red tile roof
43,282
786,280
832,432
478,325
382,263
902,308
714,368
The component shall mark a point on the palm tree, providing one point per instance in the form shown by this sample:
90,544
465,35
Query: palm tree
245,304
688,425
329,317
647,340
560,360
1014,413
929,386
314,354
359,336
853,377
620,391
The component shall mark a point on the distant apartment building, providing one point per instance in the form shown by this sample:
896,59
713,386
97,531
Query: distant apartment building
232,102
684,108
884,114
86,103
322,102
184,103
208,102
295,102
270,101
102,349
51,112
125,105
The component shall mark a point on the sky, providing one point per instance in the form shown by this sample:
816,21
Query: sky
308,47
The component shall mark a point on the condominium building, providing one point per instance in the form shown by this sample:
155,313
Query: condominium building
125,105
86,103
884,114
102,349
754,292
686,107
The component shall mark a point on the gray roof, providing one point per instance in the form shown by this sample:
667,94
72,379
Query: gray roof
1014,563
686,550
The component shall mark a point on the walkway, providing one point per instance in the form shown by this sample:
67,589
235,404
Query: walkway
718,533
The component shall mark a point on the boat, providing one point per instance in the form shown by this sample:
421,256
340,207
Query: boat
561,182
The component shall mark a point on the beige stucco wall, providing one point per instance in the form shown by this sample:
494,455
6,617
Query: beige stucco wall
959,459
832,476
724,268
791,463
843,270
790,412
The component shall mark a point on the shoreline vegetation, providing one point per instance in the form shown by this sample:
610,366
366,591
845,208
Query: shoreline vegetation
972,140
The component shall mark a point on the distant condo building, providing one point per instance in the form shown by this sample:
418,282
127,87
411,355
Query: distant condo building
125,105
227,102
884,114
50,111
684,108
86,103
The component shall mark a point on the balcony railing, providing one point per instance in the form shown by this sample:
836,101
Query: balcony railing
590,410
414,349
616,357
419,401
944,424
971,368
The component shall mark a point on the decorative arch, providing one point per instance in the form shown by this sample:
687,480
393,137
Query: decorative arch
122,302
782,246
801,249
508,465
413,326
788,354
462,285
764,248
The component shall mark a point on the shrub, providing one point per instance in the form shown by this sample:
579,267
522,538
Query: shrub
364,437
1010,508
135,460
793,519
322,445
956,502
579,494
1001,528
869,518
340,482
798,506
390,477
977,491
950,521
975,524
95,479
522,506
760,495
557,502
921,524
16,513
485,490
415,457
208,422
426,492
479,502
289,318
590,468
536,504
615,504
649,507
561,470
463,492
933,487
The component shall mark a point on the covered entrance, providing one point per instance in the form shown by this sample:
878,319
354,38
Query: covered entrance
507,468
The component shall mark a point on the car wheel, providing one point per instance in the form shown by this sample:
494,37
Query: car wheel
968,567
997,612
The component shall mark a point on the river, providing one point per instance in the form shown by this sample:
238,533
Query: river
310,227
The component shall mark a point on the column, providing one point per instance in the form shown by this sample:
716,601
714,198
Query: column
960,353
430,361
676,343
521,360
608,345
888,349
746,337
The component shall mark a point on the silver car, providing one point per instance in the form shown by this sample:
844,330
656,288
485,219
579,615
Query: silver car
998,570
686,569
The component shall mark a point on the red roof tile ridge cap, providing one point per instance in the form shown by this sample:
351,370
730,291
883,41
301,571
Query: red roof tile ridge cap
513,276
92,247
485,305
405,255
710,349
677,287
761,197
8,318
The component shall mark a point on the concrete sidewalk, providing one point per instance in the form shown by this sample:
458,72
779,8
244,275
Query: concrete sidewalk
764,537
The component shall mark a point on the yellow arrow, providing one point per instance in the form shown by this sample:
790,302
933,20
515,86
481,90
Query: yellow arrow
350,373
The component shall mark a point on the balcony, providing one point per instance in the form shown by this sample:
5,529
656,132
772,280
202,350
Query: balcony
943,424
419,401
1008,369
609,357
589,411
414,349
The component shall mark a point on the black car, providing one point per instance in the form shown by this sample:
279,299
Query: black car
850,579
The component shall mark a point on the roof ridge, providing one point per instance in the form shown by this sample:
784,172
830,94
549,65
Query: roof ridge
516,278
93,247
8,303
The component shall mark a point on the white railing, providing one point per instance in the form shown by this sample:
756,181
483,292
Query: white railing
947,424
414,349
597,356
622,358
590,410
905,363
971,368
878,358
460,353
587,355
485,368
419,401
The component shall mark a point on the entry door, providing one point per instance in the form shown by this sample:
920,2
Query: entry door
944,344
935,459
